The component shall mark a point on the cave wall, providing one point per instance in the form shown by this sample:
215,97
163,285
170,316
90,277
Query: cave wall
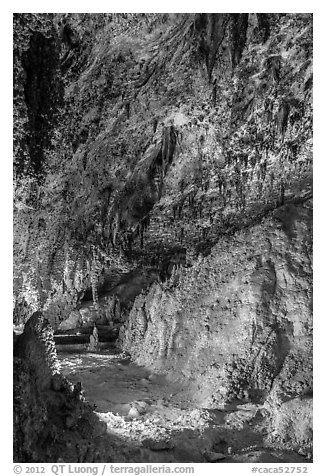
53,423
147,159
38,94
184,143
237,325
51,420
237,316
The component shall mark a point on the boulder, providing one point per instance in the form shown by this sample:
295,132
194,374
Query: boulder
141,407
133,413
74,320
213,457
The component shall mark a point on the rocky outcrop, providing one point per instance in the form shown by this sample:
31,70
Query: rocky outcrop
238,325
47,408
290,424
52,420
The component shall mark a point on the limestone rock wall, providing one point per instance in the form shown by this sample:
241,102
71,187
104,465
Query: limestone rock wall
52,420
155,143
239,322
151,140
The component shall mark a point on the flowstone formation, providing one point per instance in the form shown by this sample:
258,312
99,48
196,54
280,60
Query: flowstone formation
237,326
163,190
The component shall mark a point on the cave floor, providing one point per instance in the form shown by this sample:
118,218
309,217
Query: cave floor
151,413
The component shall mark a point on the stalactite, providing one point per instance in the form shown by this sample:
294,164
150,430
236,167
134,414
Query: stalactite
263,26
167,156
215,31
239,26
283,115
95,272
141,226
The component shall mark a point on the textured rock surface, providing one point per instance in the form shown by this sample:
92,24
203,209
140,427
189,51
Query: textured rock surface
166,422
52,420
154,147
238,325
172,151
46,405
291,425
